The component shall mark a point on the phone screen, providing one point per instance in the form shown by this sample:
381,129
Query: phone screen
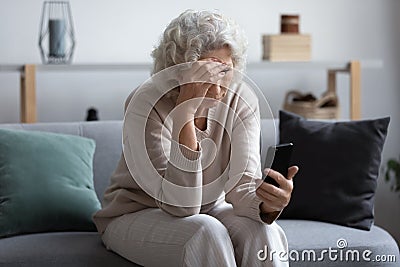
279,155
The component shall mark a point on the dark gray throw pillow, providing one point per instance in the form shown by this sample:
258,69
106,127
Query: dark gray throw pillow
338,168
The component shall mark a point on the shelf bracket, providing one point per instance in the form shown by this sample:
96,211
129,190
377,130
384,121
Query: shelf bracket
354,71
355,90
28,94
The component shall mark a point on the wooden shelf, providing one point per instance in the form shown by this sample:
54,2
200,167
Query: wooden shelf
96,67
353,68
11,68
311,65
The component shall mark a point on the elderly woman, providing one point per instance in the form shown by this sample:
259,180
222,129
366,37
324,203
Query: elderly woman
188,190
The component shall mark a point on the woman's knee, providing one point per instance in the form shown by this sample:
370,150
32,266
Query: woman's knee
242,229
210,245
208,226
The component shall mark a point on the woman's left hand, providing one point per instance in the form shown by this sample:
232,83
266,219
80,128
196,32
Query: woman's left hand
276,198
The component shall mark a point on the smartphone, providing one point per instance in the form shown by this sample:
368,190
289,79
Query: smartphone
280,156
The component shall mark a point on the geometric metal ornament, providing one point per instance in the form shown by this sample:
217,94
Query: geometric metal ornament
56,35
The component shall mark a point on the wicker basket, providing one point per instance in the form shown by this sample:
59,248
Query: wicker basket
317,109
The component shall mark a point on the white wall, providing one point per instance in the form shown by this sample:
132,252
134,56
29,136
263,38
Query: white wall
124,31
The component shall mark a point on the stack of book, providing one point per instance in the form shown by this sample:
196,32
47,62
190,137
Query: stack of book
287,47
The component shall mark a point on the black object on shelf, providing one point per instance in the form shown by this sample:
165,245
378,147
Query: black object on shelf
92,115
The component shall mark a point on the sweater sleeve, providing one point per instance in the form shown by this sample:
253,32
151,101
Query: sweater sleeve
166,170
181,191
245,167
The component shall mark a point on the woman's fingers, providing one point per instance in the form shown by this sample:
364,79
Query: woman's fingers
199,78
277,197
279,178
269,189
207,71
292,171
272,201
283,182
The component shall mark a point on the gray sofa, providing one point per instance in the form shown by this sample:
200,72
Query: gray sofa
306,238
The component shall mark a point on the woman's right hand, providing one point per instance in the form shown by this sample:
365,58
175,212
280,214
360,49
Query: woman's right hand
196,80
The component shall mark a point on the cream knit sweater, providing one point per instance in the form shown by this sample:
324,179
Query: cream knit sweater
225,167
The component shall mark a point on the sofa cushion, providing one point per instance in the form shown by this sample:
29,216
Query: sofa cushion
58,250
46,182
338,168
310,241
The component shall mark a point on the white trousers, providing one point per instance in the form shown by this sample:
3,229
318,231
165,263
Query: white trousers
152,237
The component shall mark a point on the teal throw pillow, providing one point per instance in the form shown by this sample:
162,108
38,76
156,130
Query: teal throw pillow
46,182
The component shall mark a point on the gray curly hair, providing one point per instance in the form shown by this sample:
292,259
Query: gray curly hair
195,33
